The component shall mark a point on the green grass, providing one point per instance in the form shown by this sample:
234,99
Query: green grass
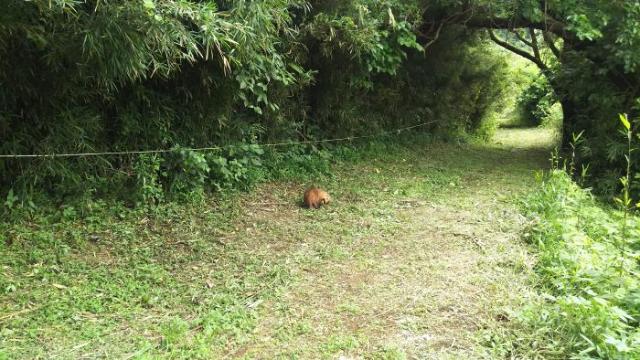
416,257
588,279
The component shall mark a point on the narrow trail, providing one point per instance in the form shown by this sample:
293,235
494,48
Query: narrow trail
414,259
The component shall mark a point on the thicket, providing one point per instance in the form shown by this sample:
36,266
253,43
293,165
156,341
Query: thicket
93,76
588,52
535,103
588,272
587,269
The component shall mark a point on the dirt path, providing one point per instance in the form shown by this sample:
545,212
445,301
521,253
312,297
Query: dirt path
415,259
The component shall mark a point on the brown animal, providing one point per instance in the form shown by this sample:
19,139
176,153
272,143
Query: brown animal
315,197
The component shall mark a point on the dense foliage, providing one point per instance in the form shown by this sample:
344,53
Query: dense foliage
588,50
96,75
536,102
85,76
588,276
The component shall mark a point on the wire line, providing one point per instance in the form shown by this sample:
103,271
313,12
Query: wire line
161,151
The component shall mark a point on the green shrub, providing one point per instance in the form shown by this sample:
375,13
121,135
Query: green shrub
590,304
148,185
300,162
535,104
83,78
239,166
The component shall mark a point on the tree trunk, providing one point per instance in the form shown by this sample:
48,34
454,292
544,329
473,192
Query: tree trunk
569,116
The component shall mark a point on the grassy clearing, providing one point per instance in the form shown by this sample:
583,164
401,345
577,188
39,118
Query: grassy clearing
417,257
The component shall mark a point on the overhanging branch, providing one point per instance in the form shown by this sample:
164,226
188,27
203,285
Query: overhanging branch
551,44
436,37
521,38
549,24
524,54
534,44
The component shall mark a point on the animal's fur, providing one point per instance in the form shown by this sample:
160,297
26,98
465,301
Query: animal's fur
315,197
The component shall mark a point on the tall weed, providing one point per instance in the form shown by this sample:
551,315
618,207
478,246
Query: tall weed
590,289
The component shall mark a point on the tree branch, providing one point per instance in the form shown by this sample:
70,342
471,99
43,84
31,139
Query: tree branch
548,24
551,44
517,51
435,37
521,38
534,44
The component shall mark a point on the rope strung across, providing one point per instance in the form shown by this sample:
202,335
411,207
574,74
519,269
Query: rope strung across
162,151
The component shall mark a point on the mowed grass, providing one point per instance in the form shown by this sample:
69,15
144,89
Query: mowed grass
419,255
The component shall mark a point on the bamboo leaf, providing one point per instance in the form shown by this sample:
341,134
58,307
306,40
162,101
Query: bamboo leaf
625,121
